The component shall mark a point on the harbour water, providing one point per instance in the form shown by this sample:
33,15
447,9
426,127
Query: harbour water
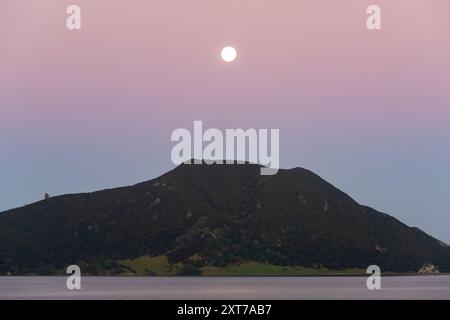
236,288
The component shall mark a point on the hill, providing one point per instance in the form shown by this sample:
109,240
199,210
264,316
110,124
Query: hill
207,217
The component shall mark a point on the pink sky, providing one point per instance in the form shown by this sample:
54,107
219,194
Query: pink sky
369,111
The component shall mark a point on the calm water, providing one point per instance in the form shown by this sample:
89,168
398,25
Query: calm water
240,288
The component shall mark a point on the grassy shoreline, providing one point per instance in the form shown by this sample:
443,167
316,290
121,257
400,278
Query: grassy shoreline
159,266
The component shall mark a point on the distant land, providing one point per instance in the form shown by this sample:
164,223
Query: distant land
213,220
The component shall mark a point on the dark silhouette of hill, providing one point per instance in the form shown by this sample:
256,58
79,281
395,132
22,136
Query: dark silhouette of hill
220,214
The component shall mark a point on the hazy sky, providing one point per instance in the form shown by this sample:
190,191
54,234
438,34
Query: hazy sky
369,111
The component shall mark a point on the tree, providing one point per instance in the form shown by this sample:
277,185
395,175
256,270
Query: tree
46,196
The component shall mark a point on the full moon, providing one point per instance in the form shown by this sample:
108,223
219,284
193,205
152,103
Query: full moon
228,54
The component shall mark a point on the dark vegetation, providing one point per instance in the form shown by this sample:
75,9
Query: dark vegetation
200,215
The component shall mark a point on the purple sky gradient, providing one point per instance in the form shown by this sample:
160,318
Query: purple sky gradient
90,109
